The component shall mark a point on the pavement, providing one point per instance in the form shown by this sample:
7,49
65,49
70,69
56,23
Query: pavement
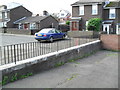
96,71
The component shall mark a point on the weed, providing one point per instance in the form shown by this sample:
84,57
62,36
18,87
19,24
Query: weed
59,64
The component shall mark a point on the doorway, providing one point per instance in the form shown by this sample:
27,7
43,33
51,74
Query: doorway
106,28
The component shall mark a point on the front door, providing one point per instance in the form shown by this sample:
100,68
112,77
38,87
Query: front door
74,26
106,28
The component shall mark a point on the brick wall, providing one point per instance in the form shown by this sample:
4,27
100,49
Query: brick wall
110,41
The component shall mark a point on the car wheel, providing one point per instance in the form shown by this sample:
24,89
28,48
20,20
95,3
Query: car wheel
39,40
63,37
51,39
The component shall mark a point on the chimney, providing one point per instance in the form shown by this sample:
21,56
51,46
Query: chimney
37,15
45,13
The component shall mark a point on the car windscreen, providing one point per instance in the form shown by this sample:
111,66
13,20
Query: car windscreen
44,31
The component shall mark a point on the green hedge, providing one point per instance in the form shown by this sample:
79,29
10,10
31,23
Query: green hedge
94,24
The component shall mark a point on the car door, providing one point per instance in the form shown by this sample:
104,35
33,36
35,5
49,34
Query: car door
54,34
58,34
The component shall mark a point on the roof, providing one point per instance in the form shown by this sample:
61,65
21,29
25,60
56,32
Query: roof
113,4
107,22
31,19
87,2
16,8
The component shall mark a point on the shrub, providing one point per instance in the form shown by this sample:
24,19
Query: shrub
68,22
94,24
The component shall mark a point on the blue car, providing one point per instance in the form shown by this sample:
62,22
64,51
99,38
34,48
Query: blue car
49,34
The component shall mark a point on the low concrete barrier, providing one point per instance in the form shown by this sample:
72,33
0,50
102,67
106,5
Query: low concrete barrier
89,34
12,72
18,31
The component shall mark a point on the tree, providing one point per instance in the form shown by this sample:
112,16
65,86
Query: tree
94,24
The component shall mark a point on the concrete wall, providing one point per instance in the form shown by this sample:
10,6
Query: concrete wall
45,62
111,41
89,34
16,31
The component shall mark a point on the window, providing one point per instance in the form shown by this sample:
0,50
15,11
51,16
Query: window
32,26
81,8
62,14
112,14
6,16
118,29
86,24
94,9
1,24
0,15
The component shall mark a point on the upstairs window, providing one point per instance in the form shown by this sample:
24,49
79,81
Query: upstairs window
4,15
94,9
112,14
0,15
81,10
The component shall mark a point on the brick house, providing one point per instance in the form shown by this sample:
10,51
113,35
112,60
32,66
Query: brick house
83,10
37,22
8,16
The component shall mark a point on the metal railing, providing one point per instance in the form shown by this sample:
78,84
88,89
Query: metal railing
18,52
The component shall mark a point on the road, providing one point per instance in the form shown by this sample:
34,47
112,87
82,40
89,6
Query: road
8,39
12,53
97,71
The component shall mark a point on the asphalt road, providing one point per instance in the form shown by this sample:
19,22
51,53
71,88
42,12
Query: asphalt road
97,71
8,39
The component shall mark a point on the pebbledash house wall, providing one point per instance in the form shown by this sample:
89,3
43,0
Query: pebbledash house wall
87,14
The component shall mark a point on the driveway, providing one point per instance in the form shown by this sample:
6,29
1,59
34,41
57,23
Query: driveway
96,71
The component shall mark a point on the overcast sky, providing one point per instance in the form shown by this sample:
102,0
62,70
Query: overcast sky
37,6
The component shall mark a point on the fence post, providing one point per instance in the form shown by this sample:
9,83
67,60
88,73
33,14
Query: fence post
57,47
14,54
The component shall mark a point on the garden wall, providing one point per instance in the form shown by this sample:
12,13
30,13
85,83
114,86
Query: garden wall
89,34
12,72
110,41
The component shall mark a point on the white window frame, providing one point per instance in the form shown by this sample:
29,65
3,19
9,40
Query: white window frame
32,25
112,11
6,16
81,10
0,15
94,9
118,29
86,25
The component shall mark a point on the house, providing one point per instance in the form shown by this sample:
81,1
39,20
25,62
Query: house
83,10
10,15
37,22
63,16
111,17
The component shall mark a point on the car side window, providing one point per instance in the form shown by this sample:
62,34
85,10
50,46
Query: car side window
57,31
51,31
